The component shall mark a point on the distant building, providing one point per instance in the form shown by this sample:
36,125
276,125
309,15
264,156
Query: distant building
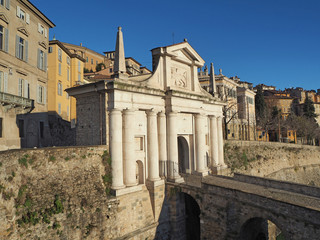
240,123
65,70
24,34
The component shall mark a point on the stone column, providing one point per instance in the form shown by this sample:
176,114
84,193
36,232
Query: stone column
214,149
220,141
128,148
152,141
115,129
162,137
200,143
173,168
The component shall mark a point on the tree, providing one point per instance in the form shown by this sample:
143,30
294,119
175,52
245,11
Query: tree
99,67
308,109
260,105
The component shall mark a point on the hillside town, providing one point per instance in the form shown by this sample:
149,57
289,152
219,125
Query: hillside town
37,111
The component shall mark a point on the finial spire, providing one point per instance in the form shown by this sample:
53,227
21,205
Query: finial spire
212,87
119,58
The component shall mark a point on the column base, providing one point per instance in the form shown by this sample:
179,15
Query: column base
176,180
202,174
154,183
118,187
220,170
127,190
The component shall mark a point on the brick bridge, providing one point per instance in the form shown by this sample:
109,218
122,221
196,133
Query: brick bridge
243,207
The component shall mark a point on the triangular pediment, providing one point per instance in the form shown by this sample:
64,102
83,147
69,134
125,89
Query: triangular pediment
43,44
184,52
23,31
4,18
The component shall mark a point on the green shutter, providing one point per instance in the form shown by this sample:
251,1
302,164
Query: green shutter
26,51
6,39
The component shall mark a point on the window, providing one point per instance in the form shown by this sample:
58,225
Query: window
50,49
59,55
87,60
59,88
68,60
79,66
96,62
4,34
41,94
79,77
68,114
42,60
59,108
91,61
22,14
21,48
2,2
67,95
20,87
110,70
40,28
59,68
68,74
21,128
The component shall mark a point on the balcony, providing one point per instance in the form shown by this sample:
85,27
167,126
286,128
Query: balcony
13,101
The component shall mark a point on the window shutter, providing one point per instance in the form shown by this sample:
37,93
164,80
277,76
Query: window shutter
26,53
1,77
26,89
6,39
5,82
38,93
20,87
8,4
45,62
38,58
18,11
27,18
39,27
45,33
44,95
17,46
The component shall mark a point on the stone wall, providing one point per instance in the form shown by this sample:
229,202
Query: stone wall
281,161
63,193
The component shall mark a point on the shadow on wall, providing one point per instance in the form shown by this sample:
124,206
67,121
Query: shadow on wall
44,130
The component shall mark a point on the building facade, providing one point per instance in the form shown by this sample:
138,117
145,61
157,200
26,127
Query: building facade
24,34
239,113
65,70
156,125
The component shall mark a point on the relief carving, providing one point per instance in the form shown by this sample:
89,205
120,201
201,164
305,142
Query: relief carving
179,77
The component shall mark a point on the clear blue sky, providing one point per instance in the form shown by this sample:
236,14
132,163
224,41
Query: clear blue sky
275,42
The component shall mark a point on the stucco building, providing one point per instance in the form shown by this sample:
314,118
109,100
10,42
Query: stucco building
24,34
156,125
239,113
65,70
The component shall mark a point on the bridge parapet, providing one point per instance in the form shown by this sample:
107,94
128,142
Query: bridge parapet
282,185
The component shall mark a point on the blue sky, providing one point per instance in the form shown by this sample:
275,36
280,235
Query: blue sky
275,42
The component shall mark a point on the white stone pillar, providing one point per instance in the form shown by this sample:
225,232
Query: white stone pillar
128,148
153,152
162,137
115,129
200,143
214,149
220,142
173,164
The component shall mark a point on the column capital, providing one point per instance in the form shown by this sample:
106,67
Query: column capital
151,112
200,115
128,111
212,116
162,114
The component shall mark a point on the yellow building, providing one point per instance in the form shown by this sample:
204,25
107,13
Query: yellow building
65,70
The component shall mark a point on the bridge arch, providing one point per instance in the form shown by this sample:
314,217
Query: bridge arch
261,228
183,155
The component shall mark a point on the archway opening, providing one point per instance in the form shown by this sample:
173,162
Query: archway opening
260,229
139,172
192,214
183,155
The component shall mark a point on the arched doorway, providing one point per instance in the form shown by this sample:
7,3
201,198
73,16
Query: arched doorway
192,213
260,229
139,172
183,155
